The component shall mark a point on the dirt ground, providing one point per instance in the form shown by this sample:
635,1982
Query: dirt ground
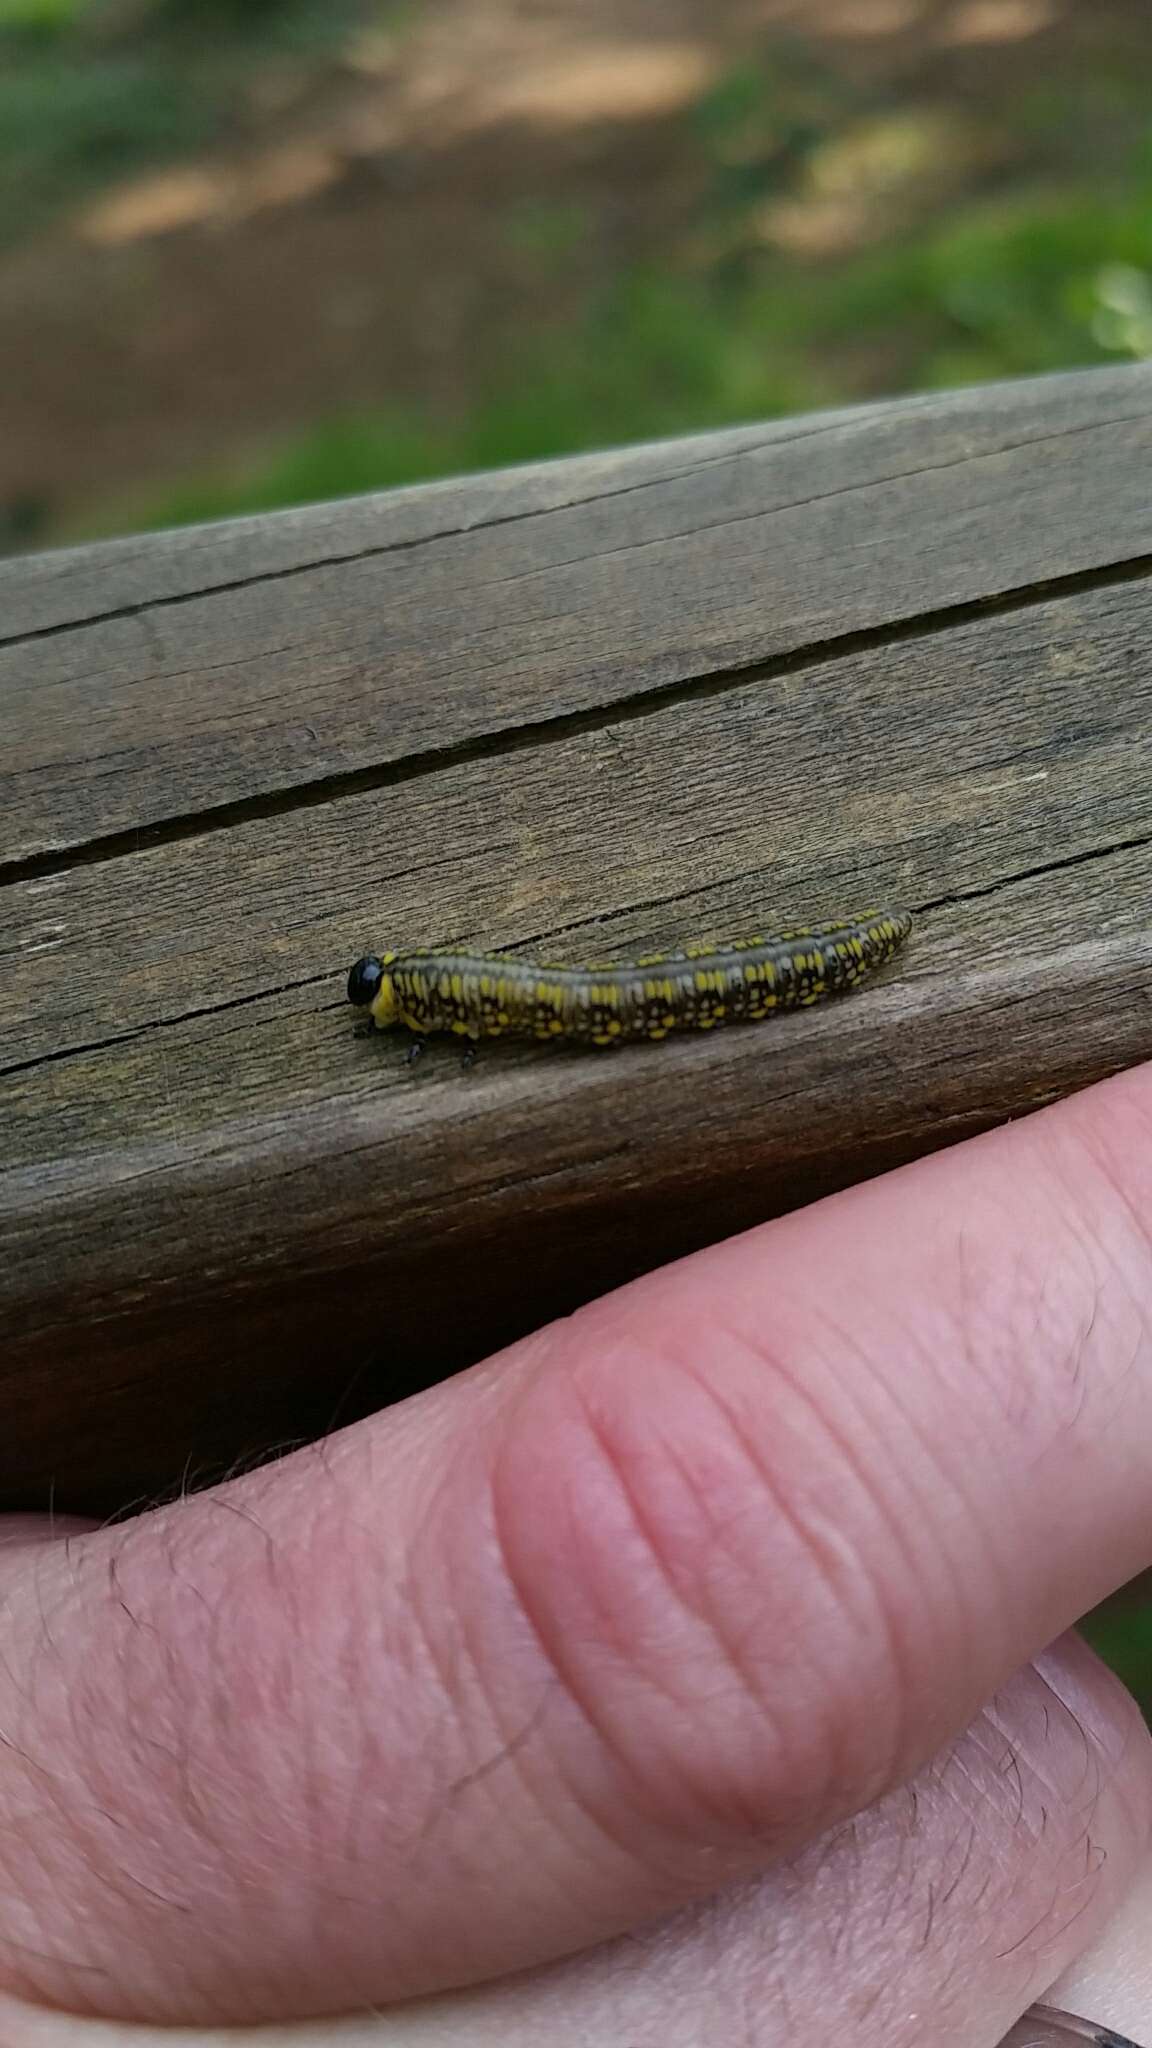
367,235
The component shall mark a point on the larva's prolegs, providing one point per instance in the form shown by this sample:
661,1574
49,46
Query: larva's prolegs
695,989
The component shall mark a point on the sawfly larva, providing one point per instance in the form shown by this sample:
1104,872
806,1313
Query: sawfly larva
742,980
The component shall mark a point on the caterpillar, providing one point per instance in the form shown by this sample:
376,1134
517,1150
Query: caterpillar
481,996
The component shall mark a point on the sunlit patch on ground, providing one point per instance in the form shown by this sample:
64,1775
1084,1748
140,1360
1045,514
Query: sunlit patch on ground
1000,21
871,179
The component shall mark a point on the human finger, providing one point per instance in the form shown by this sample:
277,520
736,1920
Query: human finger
602,1626
931,1919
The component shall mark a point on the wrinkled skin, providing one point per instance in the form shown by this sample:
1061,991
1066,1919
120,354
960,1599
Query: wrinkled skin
696,1672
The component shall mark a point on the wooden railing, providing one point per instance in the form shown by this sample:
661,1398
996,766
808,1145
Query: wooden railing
894,654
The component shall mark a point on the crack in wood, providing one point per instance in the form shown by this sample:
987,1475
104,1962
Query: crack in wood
941,620
423,540
1051,867
267,995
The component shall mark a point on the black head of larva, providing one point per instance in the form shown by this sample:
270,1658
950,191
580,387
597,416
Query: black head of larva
364,981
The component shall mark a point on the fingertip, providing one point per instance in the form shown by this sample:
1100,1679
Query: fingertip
668,1511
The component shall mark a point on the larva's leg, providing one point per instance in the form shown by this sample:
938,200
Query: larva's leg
414,1051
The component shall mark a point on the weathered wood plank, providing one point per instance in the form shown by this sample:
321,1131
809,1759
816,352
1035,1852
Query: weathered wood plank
82,585
165,713
226,1218
217,1337
935,765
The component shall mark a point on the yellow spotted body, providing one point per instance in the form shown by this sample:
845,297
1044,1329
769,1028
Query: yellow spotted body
695,989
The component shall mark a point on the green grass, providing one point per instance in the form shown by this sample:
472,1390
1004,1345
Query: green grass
1005,289
61,123
80,107
723,325
39,17
658,356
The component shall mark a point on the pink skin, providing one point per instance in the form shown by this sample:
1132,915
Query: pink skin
613,1622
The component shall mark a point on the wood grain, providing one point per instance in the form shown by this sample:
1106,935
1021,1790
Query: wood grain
227,1220
673,568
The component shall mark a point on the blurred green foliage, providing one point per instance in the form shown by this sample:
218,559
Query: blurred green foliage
53,17
656,356
38,17
1008,287
1121,1633
840,242
63,124
92,90
947,273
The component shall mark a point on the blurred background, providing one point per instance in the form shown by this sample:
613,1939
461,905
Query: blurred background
256,252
